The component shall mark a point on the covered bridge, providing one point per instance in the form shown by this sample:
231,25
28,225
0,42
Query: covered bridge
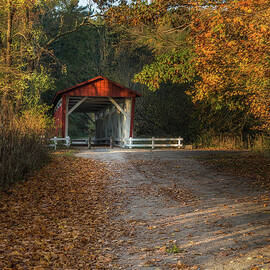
112,104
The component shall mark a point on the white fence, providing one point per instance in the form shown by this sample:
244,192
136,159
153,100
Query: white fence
82,141
55,141
153,142
85,141
125,143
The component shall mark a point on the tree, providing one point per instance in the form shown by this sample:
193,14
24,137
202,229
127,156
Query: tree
29,29
224,48
232,58
163,27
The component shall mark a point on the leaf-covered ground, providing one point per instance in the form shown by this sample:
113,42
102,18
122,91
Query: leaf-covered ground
184,215
134,210
249,165
59,218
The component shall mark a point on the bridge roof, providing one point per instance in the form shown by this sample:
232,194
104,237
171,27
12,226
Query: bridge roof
96,87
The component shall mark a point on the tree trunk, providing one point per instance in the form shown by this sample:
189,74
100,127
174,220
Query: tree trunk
9,32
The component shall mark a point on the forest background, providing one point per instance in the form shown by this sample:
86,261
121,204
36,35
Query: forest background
203,68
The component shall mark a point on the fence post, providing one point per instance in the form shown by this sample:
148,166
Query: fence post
55,142
111,142
89,143
153,142
179,142
68,142
130,142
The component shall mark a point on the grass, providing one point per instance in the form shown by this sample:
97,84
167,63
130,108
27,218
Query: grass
253,165
260,143
66,152
173,249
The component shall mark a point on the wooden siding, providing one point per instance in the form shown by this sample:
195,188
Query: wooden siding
102,88
58,114
97,87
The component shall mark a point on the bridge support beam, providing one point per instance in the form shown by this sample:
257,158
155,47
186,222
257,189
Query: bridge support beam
67,112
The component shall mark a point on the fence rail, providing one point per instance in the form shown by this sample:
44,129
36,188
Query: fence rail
154,142
125,143
80,141
55,141
85,141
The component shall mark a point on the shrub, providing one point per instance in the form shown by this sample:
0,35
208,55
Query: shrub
22,142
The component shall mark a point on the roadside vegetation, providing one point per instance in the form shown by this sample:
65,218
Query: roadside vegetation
23,146
202,70
254,166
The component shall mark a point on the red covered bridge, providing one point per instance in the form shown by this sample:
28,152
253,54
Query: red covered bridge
112,104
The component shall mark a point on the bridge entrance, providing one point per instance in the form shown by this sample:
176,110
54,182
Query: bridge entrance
107,104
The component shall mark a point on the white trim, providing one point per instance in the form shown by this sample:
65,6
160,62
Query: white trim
59,104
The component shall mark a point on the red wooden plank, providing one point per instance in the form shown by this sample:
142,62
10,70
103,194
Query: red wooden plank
63,115
97,87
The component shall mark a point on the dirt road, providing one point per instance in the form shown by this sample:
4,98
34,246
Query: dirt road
181,215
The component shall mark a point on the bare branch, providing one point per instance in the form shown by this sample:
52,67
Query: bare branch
61,34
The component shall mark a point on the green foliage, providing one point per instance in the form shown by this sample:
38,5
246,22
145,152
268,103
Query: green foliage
176,66
173,249
80,125
55,44
24,77
24,72
166,112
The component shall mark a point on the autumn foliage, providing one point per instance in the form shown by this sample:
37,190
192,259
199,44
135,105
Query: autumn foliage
232,57
22,142
228,45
